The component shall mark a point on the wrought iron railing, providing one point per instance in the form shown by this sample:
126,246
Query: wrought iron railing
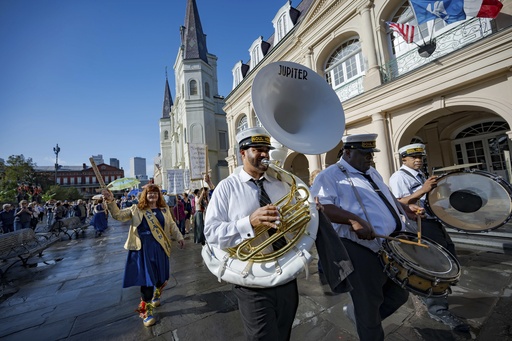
452,40
351,89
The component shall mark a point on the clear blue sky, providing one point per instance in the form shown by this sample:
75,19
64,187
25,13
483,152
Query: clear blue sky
90,74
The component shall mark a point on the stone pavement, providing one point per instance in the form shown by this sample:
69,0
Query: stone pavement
74,293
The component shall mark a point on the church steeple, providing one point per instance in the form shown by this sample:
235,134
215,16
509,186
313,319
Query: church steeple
167,99
193,39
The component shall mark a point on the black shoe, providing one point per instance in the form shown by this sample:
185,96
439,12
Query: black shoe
455,323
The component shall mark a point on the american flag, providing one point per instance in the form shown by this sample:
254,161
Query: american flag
404,30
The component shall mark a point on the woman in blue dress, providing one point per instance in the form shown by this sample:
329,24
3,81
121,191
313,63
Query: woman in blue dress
100,221
148,245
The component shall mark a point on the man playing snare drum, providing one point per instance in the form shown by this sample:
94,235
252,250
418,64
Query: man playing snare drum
410,186
361,206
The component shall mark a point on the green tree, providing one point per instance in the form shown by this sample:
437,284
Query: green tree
14,172
64,193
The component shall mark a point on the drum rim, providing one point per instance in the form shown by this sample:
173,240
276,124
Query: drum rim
496,178
427,275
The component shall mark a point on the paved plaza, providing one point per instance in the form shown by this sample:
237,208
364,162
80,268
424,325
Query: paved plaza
74,292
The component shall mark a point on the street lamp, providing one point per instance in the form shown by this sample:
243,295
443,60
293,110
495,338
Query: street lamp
56,150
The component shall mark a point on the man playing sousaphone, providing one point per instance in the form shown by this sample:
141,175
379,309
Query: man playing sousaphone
239,204
410,186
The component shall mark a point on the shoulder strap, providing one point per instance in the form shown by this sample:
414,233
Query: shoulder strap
412,176
358,197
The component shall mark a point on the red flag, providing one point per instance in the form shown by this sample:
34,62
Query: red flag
404,30
490,9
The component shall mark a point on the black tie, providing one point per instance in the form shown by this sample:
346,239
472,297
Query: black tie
265,200
263,196
398,222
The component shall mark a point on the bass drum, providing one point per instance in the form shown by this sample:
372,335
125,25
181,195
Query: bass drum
426,271
471,201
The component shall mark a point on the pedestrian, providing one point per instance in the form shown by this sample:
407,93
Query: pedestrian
40,209
7,218
360,206
188,211
409,185
35,215
233,212
99,219
22,216
179,214
201,203
148,245
80,210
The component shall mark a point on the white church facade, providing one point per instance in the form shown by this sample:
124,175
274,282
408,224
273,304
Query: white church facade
195,117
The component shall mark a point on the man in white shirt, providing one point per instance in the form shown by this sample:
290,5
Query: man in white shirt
361,206
234,210
409,185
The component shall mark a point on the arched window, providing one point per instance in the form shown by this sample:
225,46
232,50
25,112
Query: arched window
207,89
237,76
193,87
281,27
483,129
345,64
255,56
257,123
484,143
166,135
242,124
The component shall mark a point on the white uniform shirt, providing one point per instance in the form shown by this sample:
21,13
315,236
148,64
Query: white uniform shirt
331,186
402,184
233,201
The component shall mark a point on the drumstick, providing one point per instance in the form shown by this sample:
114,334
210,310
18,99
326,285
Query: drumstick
418,218
405,241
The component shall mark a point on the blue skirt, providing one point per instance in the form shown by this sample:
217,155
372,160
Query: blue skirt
100,221
150,265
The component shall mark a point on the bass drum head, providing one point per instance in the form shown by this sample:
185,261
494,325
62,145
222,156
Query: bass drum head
472,201
433,262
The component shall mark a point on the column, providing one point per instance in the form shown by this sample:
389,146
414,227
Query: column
309,58
372,77
314,162
384,158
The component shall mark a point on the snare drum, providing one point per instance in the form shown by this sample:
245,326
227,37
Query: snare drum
424,271
470,200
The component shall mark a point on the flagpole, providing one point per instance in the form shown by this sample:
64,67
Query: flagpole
419,28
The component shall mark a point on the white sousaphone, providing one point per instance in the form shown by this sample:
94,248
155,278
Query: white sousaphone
301,112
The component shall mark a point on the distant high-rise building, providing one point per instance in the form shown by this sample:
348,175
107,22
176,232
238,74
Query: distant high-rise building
114,162
98,159
138,167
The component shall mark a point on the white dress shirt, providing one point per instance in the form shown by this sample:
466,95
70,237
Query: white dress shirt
233,201
332,186
402,185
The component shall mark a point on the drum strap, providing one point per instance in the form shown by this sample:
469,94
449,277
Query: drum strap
420,182
391,209
358,197
409,226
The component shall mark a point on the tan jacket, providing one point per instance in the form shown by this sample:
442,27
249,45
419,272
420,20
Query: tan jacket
133,242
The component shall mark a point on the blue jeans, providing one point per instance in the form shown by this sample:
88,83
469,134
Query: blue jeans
49,219
18,225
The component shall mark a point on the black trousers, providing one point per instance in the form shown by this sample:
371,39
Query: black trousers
374,294
268,313
146,293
